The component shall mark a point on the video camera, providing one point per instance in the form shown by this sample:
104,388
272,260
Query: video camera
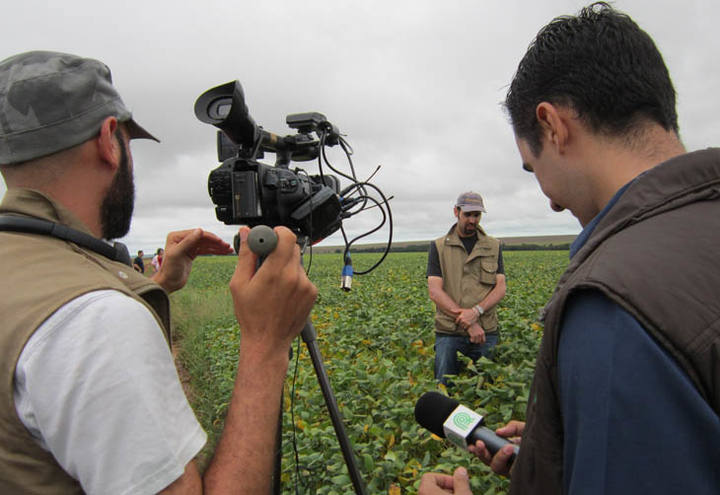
248,192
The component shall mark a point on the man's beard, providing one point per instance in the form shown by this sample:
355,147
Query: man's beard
117,207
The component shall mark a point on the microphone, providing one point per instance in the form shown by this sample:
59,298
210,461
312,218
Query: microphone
446,418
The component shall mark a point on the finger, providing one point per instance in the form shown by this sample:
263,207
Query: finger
189,242
513,428
461,482
499,463
432,483
284,252
247,260
480,451
212,244
175,237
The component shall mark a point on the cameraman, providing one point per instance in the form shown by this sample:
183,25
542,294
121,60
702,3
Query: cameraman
625,397
90,400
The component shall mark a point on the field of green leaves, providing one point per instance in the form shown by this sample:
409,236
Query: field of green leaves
377,346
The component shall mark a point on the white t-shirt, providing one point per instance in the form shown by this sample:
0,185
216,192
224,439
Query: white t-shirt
96,386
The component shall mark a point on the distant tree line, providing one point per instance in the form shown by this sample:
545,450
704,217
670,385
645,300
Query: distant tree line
423,248
537,247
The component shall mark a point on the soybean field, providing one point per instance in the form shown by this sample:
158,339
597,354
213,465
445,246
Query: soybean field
376,343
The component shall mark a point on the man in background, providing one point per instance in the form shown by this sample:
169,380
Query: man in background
90,400
466,280
138,262
626,396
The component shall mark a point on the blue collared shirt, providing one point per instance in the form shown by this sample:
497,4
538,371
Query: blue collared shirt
633,420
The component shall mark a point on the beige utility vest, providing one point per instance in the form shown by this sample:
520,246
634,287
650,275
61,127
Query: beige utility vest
39,275
467,278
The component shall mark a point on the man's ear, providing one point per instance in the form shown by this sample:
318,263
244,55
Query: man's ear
553,124
108,145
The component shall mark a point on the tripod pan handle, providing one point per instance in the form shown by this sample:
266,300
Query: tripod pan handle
262,240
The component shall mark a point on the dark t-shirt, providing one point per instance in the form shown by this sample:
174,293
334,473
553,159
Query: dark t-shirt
433,266
633,421
139,262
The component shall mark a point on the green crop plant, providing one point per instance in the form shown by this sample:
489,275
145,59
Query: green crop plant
377,346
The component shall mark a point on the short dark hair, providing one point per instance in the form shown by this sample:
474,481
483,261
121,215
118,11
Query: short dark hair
601,64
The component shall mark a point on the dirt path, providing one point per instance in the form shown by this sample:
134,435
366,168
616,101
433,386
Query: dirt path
182,372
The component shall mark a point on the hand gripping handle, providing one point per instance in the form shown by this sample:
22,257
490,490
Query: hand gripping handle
262,240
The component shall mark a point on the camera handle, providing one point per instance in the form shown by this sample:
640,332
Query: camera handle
262,240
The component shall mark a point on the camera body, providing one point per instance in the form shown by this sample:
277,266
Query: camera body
248,192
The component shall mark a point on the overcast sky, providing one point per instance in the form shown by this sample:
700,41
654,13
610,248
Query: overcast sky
416,86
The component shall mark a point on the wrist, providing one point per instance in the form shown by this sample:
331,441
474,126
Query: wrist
478,310
159,279
259,354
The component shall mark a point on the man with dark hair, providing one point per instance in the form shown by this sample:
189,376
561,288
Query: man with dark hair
466,281
626,396
138,262
90,401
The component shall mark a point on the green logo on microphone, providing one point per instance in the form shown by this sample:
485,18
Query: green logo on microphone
462,420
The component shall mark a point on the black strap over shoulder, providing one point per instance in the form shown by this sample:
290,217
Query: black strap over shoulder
12,223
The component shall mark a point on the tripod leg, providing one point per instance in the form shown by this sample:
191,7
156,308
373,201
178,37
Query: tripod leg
277,471
309,337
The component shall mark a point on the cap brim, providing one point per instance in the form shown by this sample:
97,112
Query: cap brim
137,132
471,208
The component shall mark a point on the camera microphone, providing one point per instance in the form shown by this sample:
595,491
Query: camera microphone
446,418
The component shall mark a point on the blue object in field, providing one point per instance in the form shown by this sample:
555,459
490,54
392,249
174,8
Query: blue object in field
347,274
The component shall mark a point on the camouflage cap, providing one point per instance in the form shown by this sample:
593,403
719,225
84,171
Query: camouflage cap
470,201
51,101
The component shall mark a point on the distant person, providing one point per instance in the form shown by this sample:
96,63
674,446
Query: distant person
90,400
157,259
626,392
466,281
138,262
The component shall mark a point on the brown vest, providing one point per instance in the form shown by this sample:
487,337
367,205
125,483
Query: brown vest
39,275
467,278
655,255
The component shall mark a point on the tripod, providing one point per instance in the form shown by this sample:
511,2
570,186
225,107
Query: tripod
262,241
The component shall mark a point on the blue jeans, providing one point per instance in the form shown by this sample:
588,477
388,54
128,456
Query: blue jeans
447,347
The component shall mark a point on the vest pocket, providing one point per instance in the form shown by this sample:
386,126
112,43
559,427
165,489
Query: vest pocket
488,270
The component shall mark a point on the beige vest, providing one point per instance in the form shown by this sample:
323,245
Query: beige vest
467,278
39,275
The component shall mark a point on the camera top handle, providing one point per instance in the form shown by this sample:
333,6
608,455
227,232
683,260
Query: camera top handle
224,107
